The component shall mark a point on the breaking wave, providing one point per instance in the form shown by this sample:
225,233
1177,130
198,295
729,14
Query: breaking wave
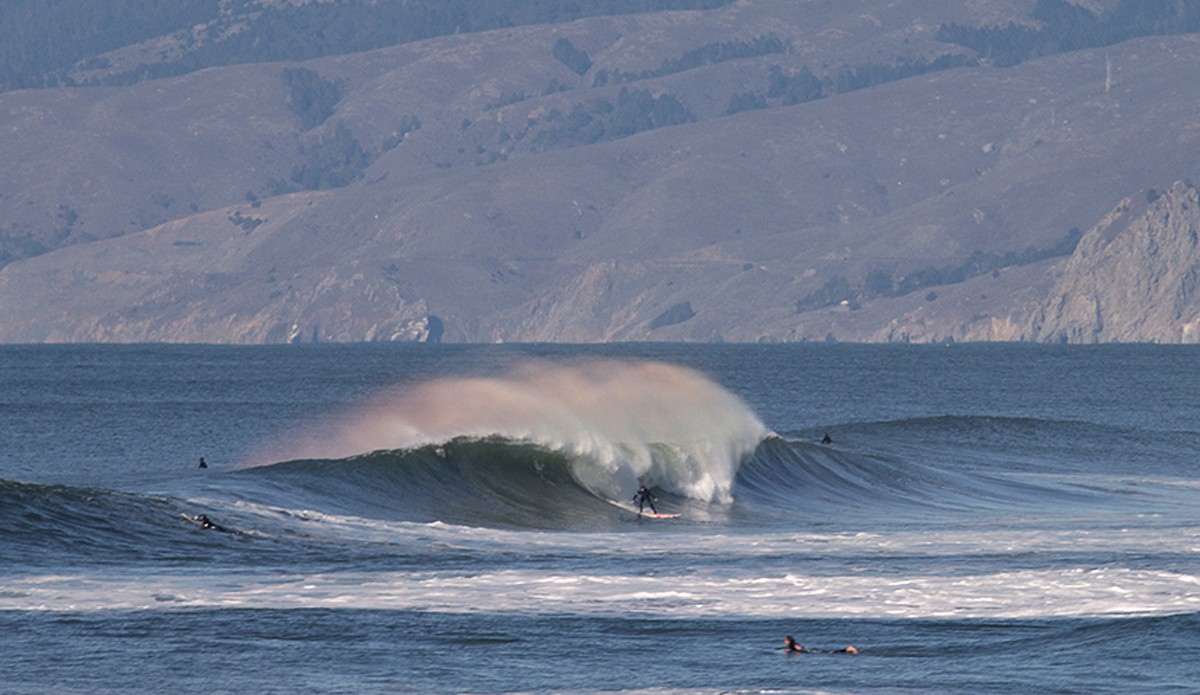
616,425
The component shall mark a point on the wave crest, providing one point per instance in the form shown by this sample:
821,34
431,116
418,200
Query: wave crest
619,422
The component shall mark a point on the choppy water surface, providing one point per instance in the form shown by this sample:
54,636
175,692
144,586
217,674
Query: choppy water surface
447,519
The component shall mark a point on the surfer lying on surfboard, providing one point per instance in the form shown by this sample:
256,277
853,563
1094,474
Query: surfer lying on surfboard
207,523
643,497
789,645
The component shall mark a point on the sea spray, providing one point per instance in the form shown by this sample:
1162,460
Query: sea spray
620,422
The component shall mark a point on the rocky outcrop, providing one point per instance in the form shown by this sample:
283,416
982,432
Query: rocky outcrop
1133,277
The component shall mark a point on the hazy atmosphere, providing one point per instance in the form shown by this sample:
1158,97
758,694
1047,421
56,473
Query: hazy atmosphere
266,171
640,347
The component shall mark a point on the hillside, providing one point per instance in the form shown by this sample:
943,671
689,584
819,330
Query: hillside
762,170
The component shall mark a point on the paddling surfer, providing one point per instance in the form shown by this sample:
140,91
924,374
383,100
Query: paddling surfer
207,523
790,646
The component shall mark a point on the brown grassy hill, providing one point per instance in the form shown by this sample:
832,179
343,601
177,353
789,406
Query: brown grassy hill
94,163
468,229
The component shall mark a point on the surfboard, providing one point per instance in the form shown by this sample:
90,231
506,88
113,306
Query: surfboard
653,515
627,506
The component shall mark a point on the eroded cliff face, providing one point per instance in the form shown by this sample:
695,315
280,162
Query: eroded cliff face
1133,277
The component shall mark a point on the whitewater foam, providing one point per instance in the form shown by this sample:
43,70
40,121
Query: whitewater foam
1069,592
759,575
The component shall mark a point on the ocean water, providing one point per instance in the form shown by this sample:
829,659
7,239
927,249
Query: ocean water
427,519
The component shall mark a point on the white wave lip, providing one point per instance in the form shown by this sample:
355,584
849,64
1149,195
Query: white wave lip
623,422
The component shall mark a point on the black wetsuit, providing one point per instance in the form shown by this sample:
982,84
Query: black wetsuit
643,497
207,523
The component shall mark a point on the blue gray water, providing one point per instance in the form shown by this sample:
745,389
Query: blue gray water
988,518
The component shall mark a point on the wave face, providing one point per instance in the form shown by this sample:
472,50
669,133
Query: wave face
475,482
614,424
60,525
554,446
498,481
540,477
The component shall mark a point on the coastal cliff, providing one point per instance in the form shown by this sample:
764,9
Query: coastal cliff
1133,277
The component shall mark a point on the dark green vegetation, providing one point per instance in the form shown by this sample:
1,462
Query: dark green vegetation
572,57
40,42
333,161
708,54
320,29
598,120
636,111
311,97
883,283
787,89
1068,27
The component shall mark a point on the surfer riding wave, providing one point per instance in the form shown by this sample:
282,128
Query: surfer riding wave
614,421
642,498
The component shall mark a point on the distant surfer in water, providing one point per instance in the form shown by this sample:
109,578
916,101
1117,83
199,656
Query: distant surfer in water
827,439
643,497
207,523
790,645
203,463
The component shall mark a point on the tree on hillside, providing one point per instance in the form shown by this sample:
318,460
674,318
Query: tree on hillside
600,120
708,54
793,88
334,161
1065,26
572,57
881,283
40,41
745,101
310,96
